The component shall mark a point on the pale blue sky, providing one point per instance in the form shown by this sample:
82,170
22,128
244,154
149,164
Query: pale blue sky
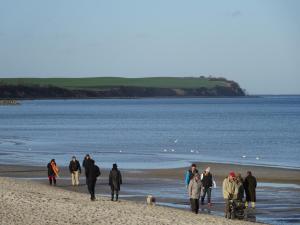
255,42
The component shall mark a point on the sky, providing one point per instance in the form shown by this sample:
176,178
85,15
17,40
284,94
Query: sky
254,42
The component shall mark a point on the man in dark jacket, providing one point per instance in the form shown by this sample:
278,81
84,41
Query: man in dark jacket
115,181
92,172
75,170
207,183
250,189
86,163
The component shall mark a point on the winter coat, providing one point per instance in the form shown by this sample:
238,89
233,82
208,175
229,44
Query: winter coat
250,186
230,189
195,189
241,190
115,179
189,176
92,172
207,180
74,166
51,172
86,164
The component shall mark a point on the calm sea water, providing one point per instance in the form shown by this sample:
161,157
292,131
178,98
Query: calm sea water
153,133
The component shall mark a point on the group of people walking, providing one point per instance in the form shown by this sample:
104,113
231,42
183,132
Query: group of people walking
92,172
199,186
234,188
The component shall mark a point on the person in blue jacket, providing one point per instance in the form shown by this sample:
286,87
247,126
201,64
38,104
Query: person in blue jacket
190,174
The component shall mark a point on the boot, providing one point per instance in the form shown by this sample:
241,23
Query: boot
202,201
117,197
112,196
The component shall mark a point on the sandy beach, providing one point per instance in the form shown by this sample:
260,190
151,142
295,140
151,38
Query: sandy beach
167,185
27,202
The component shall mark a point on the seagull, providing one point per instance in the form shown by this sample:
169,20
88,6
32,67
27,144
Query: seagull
165,150
244,156
120,150
257,158
172,150
192,151
175,141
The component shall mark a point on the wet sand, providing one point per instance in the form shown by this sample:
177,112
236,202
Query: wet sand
278,191
219,171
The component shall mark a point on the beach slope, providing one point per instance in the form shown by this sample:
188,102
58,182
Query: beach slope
27,202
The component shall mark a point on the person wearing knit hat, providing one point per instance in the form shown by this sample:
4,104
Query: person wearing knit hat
232,174
207,184
230,191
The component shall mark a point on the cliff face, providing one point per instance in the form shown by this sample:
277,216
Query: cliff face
43,92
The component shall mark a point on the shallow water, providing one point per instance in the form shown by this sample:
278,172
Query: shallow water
153,133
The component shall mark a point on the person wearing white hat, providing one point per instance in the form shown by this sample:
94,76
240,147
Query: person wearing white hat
207,184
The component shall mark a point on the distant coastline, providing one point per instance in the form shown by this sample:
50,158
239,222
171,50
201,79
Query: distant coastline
9,102
112,87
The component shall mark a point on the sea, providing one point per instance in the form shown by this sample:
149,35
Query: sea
153,132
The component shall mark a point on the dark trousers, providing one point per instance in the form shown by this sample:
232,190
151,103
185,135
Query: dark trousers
226,209
208,192
91,187
194,205
113,191
229,209
52,178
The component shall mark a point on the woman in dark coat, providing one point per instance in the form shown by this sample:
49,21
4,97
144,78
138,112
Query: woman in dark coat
250,189
115,181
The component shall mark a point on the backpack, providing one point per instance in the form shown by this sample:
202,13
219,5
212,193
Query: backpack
97,171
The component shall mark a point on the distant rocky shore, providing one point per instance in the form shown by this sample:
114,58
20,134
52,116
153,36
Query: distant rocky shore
46,92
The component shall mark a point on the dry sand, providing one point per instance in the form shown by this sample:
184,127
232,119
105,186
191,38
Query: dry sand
27,202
